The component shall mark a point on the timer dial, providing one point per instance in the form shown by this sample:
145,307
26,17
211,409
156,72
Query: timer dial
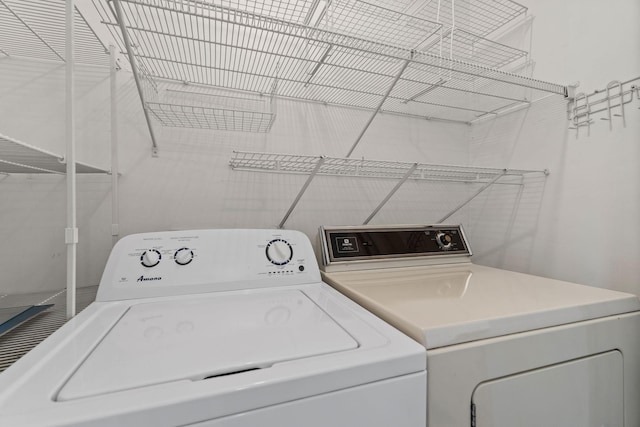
444,240
150,258
279,252
183,256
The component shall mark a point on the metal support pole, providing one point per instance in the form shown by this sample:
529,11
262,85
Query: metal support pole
377,110
114,146
477,193
71,232
321,161
136,77
391,193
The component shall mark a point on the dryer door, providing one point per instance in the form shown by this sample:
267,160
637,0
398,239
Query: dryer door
587,392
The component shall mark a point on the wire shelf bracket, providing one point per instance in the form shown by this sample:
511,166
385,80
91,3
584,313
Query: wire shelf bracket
476,194
312,175
391,193
136,76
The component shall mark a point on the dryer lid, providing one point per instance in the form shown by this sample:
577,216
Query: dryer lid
205,336
445,305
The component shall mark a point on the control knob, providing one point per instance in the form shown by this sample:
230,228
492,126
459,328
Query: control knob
150,258
183,256
279,252
444,240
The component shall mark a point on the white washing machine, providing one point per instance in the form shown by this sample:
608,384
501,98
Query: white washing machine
218,328
504,349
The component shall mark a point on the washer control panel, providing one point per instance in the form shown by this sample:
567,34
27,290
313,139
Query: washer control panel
182,262
389,242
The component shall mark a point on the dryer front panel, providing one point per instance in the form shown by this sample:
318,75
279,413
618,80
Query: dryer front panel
583,393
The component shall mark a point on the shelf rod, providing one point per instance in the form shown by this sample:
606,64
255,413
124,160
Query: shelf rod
314,172
136,77
476,194
115,208
382,101
32,30
391,193
71,232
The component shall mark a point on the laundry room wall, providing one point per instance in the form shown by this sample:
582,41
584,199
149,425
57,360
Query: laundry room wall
33,206
579,223
586,227
190,184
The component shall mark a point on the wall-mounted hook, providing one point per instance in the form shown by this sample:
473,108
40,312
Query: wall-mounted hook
581,111
612,84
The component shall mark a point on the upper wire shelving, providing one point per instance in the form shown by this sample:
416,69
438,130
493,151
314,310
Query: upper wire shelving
36,29
316,56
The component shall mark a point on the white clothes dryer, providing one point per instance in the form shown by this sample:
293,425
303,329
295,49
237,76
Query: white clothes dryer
218,328
504,349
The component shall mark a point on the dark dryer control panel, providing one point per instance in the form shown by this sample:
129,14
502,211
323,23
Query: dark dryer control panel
377,242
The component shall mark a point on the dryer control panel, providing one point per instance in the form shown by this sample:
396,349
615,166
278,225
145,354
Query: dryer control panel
194,261
379,243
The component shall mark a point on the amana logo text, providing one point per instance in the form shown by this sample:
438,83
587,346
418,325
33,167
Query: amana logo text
144,279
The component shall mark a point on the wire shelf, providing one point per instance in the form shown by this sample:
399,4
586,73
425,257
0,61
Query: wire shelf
36,29
302,164
18,157
205,109
476,49
481,17
19,341
368,21
220,46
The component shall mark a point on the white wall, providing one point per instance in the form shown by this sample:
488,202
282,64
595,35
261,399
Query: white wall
579,224
587,229
190,184
33,206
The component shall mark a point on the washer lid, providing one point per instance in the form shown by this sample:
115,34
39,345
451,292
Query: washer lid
439,306
205,336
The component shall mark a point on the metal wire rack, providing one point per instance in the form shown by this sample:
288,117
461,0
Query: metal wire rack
18,157
469,47
480,17
373,22
36,29
399,171
206,109
211,44
19,341
304,164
